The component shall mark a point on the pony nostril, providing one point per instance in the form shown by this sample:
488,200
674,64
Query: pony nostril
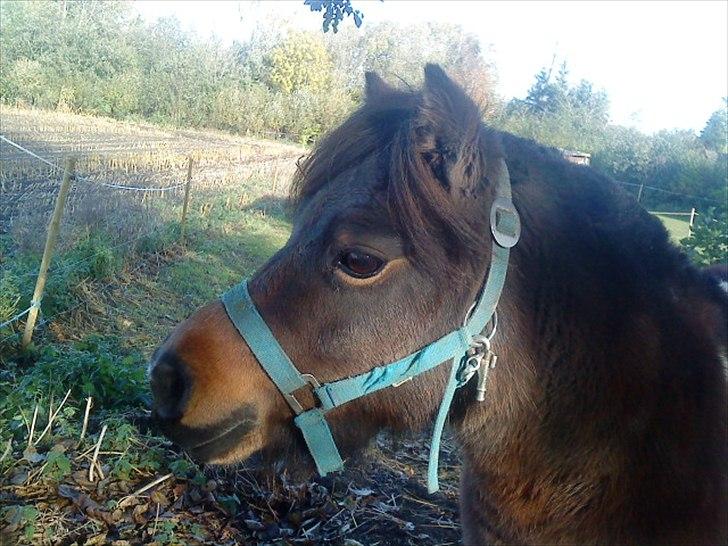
170,387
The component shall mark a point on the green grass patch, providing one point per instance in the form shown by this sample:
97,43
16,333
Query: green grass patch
677,226
223,248
97,366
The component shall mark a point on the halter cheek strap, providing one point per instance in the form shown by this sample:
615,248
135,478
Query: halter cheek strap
464,347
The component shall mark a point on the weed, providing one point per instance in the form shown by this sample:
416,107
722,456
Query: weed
21,517
57,466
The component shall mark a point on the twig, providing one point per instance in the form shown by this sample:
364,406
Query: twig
25,420
145,488
420,501
7,449
32,426
85,420
50,412
96,454
156,521
99,470
51,417
85,453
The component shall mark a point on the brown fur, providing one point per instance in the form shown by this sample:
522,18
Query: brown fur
605,419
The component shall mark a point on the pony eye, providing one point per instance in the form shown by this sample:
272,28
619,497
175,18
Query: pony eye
359,265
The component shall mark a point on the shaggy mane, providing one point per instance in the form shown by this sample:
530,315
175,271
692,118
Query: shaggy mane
394,129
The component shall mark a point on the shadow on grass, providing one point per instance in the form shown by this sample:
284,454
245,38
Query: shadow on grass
214,263
274,206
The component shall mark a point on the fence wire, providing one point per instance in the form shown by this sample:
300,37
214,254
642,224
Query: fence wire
123,199
84,179
23,210
687,196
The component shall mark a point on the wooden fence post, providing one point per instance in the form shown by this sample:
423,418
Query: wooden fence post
692,221
186,202
50,244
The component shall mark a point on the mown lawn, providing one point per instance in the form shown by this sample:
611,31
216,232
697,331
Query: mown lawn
678,227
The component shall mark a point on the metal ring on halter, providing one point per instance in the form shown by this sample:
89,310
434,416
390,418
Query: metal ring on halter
484,340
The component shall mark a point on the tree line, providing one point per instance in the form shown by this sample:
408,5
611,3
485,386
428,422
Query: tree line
100,57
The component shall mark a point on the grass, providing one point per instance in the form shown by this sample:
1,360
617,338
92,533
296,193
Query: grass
677,226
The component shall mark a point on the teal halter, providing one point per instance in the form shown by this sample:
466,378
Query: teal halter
466,347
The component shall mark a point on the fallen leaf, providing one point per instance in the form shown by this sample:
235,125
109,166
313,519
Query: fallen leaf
95,541
32,456
159,498
254,525
363,492
139,513
85,503
19,477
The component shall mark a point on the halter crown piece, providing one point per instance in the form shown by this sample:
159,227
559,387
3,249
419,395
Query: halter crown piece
467,349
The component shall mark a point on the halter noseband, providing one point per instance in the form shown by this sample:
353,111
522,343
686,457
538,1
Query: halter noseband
468,349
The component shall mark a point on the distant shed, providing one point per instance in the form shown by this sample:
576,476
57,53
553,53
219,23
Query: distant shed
580,158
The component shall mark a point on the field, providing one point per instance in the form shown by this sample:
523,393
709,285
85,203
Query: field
121,278
677,226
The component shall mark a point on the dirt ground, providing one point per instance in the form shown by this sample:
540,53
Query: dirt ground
378,500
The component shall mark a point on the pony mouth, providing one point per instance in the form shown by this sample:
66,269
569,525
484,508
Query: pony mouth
219,446
212,442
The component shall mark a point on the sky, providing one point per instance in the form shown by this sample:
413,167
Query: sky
663,64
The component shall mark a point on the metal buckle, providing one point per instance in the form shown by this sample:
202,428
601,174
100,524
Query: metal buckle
505,224
295,404
479,359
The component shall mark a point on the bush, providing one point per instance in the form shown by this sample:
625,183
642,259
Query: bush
708,243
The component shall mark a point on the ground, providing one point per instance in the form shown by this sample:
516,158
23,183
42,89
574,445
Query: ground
677,226
121,278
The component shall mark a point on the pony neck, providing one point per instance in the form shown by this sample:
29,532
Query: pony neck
585,343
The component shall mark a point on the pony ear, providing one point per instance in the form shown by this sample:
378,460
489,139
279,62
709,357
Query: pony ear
375,87
449,130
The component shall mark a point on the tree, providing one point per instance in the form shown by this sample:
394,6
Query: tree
399,52
334,12
545,95
556,114
300,61
714,135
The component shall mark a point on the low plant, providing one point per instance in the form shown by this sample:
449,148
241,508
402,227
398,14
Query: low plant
708,243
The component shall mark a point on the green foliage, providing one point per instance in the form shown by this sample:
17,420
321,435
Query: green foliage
186,469
300,62
398,53
10,296
685,169
229,503
714,135
556,114
97,57
57,465
120,436
708,243
165,532
22,517
335,11
93,367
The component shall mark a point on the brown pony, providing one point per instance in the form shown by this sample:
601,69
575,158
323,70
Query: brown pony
605,419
